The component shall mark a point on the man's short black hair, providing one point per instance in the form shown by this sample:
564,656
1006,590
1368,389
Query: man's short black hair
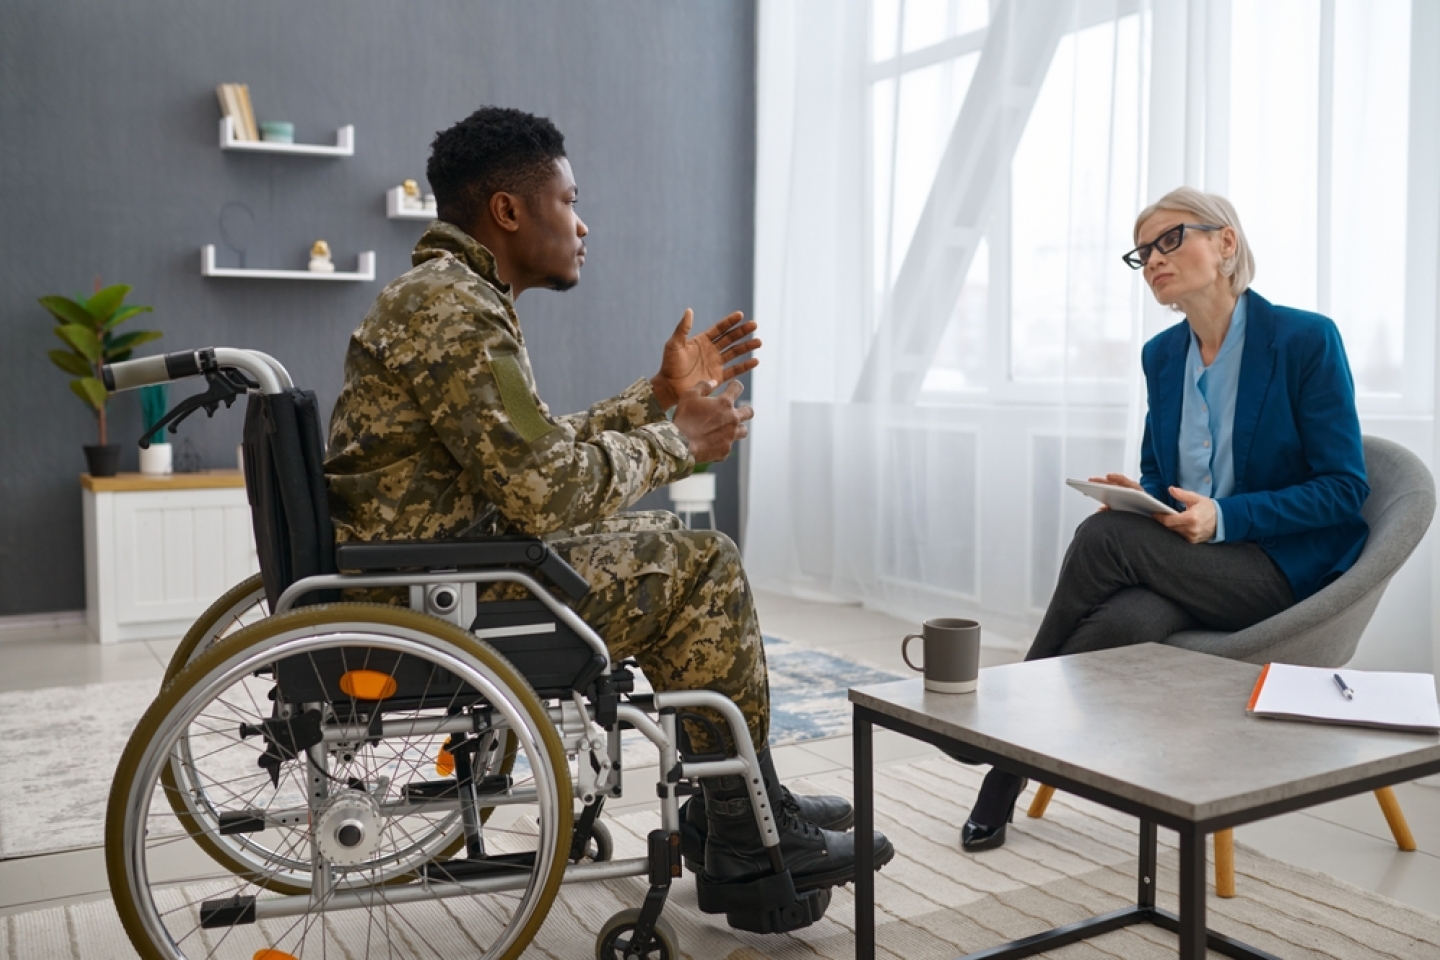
494,149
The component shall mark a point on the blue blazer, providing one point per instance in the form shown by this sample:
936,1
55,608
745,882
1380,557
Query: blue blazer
1299,466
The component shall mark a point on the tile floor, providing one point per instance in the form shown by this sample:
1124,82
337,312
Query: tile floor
1347,839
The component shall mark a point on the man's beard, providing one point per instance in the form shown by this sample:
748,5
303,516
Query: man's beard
560,283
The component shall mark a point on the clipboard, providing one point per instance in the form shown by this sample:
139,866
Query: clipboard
1123,499
1389,701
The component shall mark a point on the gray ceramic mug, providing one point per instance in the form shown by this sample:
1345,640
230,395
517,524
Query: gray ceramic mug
952,655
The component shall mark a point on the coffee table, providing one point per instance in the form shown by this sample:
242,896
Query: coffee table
1153,731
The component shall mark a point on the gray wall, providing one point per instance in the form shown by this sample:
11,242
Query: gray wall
109,166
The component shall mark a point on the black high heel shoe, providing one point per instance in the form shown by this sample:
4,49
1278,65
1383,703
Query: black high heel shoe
1000,792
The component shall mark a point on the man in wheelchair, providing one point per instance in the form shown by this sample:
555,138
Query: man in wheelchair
439,432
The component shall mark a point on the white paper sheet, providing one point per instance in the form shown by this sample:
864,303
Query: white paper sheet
1400,701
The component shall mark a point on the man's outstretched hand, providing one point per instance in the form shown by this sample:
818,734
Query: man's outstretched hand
711,425
719,354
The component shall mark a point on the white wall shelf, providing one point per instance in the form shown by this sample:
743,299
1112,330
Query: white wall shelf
396,210
344,143
364,272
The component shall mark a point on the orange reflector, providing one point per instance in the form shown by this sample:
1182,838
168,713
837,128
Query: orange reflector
367,685
273,955
445,762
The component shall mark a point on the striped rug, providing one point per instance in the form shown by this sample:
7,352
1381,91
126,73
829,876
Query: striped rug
933,901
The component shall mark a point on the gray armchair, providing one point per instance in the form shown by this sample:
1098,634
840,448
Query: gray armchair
1324,629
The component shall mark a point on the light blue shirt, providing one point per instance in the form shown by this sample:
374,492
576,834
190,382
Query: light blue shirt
1207,418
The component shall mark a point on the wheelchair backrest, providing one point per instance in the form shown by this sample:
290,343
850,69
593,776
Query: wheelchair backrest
284,459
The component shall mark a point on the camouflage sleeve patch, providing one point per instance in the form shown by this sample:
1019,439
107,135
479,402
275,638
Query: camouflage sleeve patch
520,406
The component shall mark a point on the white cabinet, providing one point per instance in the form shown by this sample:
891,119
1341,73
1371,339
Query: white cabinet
159,550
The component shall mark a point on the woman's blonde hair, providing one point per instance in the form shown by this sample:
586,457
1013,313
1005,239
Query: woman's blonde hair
1211,209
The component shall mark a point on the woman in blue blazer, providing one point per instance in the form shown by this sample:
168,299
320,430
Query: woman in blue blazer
1251,433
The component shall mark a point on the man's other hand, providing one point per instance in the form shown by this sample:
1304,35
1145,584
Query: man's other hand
719,354
1196,522
711,425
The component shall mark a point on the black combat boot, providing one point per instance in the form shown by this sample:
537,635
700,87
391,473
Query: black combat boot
827,813
740,877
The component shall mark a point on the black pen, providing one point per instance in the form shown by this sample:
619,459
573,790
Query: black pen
1345,691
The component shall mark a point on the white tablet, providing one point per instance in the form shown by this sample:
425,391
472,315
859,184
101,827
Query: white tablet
1121,498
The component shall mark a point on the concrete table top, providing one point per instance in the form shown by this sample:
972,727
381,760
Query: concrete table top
1162,727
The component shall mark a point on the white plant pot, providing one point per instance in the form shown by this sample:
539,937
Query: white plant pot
157,460
694,494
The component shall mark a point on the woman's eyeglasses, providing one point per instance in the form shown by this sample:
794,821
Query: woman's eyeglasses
1167,242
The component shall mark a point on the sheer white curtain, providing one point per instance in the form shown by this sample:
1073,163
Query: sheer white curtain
944,188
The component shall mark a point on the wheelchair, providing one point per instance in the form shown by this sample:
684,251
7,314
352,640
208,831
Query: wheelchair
326,778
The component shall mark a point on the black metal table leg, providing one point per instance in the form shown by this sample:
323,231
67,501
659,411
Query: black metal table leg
1192,894
864,829
1145,895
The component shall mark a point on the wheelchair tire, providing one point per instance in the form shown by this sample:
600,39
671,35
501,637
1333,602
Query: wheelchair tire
601,848
240,606
614,938
161,893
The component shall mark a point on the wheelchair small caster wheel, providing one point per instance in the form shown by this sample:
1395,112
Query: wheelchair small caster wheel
601,848
614,940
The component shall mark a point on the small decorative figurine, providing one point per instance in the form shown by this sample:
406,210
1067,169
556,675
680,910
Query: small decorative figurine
410,196
187,458
320,258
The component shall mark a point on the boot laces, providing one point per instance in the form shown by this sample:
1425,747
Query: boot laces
789,815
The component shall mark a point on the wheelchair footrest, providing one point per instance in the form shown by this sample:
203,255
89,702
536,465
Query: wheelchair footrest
765,905
216,914
456,871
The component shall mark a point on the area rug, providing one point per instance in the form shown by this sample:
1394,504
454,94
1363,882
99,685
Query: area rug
933,901
60,745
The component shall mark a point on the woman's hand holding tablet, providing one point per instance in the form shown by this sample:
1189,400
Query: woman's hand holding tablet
1127,499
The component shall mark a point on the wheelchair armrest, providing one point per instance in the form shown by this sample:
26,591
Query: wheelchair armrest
391,555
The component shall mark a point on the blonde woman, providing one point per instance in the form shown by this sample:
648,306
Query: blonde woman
1251,433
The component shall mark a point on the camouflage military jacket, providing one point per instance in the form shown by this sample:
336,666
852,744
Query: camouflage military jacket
440,431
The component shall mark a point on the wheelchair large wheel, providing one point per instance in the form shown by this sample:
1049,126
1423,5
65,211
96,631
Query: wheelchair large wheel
332,790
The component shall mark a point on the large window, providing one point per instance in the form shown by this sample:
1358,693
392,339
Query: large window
1311,140
1318,165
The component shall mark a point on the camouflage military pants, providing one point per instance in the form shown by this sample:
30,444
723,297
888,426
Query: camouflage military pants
677,601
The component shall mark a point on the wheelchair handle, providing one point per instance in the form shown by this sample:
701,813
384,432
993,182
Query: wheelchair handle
129,374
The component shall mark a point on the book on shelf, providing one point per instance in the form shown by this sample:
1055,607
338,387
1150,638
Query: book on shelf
250,125
235,104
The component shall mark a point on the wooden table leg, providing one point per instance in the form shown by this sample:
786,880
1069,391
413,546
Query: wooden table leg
1390,806
1042,800
1225,863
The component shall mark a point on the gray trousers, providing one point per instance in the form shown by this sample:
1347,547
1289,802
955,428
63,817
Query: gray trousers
1126,579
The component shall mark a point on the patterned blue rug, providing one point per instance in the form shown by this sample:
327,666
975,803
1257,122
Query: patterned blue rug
808,691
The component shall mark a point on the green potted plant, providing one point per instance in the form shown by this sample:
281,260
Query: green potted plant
88,328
